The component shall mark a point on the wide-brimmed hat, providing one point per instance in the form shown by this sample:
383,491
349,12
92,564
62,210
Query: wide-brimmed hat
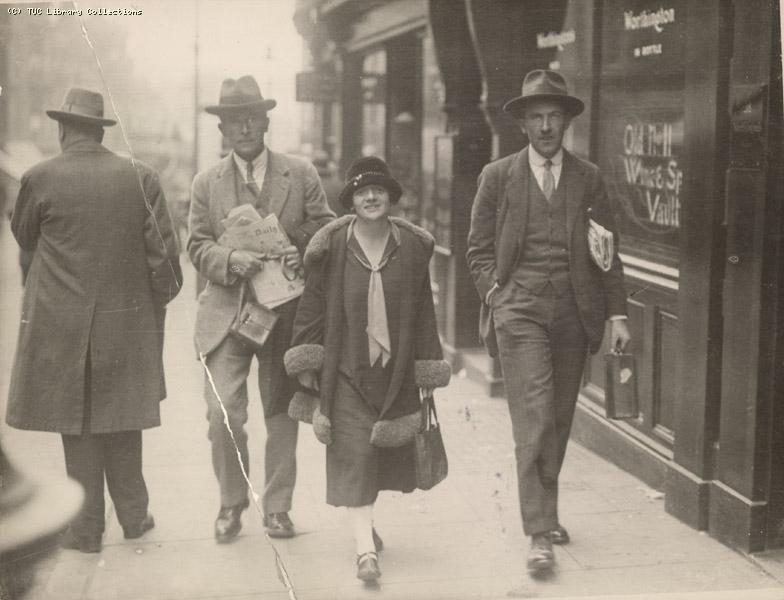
543,84
240,94
83,106
369,170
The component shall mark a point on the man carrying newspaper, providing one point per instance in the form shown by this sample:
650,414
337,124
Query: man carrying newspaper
284,193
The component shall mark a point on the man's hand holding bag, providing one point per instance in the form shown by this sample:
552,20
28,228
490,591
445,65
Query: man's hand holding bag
254,322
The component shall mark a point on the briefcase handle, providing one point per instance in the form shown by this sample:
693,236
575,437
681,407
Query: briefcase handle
244,287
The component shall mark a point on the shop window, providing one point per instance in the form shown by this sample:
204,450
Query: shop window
640,137
570,47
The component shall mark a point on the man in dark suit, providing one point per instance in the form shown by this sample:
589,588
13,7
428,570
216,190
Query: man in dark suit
89,357
544,301
277,184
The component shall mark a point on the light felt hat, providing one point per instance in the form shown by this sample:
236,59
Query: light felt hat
240,94
543,84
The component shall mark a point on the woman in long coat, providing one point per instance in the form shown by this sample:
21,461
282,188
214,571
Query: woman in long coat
365,343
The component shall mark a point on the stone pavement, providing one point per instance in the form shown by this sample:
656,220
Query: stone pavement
462,540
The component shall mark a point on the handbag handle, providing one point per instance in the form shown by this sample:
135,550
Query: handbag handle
429,417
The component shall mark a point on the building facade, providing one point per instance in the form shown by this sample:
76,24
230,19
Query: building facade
684,115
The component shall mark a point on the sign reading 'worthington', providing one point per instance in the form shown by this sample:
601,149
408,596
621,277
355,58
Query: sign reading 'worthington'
555,40
647,19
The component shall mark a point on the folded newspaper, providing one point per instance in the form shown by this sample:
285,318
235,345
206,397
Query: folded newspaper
245,229
600,244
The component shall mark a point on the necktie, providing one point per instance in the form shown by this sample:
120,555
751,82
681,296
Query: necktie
548,181
379,345
251,182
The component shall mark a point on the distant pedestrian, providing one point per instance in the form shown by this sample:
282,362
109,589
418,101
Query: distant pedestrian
365,342
273,183
544,302
89,357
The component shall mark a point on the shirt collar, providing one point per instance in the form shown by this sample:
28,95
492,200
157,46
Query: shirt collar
537,160
259,163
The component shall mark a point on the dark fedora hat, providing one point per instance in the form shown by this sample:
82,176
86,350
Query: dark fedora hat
369,170
240,94
83,106
542,84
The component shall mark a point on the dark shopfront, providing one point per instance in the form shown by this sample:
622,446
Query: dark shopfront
683,114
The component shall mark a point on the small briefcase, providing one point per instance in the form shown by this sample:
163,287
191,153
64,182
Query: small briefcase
254,322
620,392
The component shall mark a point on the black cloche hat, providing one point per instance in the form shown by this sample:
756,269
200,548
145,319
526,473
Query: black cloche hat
369,170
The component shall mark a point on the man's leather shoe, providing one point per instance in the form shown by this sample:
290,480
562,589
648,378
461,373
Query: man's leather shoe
278,525
136,531
228,523
82,543
377,541
367,567
559,536
540,556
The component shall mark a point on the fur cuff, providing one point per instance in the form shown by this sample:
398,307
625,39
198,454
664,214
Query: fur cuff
302,406
432,373
396,432
322,427
303,358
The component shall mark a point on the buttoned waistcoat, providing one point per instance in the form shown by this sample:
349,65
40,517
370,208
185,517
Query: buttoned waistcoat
499,220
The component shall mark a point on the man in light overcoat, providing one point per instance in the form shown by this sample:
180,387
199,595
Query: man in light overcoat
273,183
89,356
544,301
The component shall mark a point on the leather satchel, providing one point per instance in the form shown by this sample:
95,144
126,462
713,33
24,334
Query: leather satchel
429,453
254,322
620,393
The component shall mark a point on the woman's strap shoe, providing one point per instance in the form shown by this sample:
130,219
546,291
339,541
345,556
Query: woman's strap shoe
367,567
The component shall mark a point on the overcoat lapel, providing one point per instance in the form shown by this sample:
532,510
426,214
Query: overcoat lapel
276,183
572,176
517,194
227,193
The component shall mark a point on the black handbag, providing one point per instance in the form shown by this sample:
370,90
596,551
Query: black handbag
254,322
620,390
430,455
